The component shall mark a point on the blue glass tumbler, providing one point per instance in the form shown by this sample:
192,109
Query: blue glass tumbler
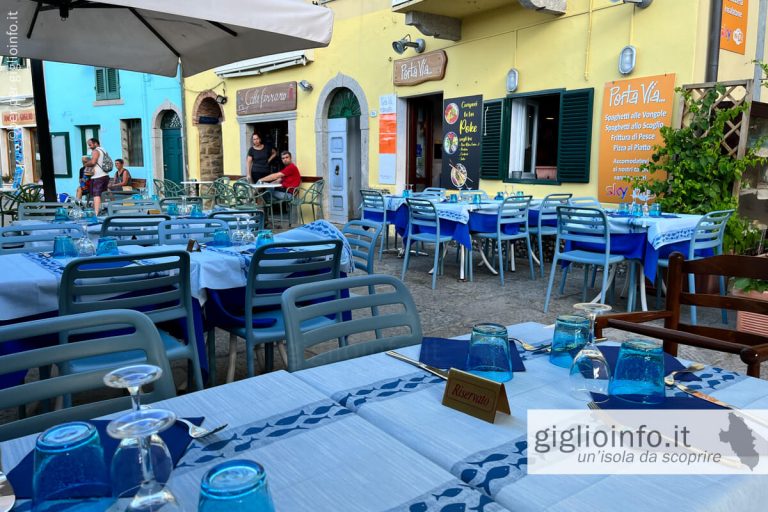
639,374
172,209
61,215
221,238
235,486
476,199
196,212
571,333
637,210
264,238
489,355
454,198
107,246
623,208
64,247
68,464
655,210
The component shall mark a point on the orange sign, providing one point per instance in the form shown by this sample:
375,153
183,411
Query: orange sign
19,118
388,133
633,111
733,28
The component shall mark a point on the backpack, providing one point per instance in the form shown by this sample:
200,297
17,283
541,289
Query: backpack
106,163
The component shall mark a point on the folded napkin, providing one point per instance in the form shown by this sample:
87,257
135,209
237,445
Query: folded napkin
176,438
671,364
670,402
104,264
448,353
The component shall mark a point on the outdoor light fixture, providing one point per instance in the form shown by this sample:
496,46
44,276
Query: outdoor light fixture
401,45
221,99
642,4
305,86
627,59
512,79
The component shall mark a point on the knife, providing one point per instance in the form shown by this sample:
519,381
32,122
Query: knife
7,496
713,400
427,368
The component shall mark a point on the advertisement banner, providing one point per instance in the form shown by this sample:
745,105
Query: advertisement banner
633,112
462,138
733,28
18,153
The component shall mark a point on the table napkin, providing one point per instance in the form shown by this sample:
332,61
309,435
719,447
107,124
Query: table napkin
448,353
176,438
669,403
671,364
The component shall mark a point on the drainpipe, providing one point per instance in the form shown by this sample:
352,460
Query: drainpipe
713,40
760,51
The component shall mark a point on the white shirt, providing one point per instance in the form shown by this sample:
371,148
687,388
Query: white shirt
98,170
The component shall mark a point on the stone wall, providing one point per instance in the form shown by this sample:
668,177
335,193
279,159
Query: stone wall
211,154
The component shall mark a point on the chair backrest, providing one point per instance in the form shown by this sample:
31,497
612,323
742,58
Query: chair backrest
584,202
362,236
469,194
180,231
431,192
373,201
35,237
132,207
223,192
589,225
41,211
109,332
393,321
172,189
134,229
243,193
549,205
249,219
191,200
514,210
709,232
422,213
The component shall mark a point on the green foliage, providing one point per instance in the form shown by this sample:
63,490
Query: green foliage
747,285
700,175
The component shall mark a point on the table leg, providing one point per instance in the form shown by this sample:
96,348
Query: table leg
643,299
611,277
485,262
462,258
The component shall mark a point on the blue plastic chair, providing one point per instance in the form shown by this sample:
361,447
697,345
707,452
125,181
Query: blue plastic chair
134,230
431,191
584,202
41,211
132,207
259,321
707,236
424,226
373,206
35,237
249,219
587,226
362,236
393,321
469,195
546,225
158,286
511,224
181,231
112,333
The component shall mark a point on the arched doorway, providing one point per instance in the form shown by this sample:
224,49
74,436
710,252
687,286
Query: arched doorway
208,117
173,151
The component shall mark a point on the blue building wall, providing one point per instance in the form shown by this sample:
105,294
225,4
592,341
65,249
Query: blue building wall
72,104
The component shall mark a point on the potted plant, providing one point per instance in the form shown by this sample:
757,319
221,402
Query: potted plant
756,289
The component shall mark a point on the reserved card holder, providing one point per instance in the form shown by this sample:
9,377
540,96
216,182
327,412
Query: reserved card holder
192,245
475,396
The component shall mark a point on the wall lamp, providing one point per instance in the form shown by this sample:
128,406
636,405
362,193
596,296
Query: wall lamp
221,100
642,4
305,86
400,46
512,79
627,59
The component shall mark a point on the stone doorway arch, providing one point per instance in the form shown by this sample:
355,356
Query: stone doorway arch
208,116
162,112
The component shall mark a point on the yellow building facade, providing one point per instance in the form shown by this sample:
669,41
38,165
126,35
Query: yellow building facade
340,113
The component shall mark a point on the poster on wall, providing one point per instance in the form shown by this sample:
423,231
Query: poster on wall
387,139
733,27
462,119
18,153
633,112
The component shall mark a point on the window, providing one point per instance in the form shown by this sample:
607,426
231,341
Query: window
542,137
62,161
131,142
88,132
14,63
107,84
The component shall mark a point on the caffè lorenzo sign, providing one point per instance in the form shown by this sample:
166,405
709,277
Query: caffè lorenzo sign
419,69
270,98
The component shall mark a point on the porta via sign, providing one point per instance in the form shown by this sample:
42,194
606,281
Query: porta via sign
270,98
474,395
419,69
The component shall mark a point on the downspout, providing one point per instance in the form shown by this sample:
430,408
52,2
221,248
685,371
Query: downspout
713,40
760,51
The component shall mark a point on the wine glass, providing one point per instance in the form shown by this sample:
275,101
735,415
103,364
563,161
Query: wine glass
590,374
85,247
132,378
142,425
237,234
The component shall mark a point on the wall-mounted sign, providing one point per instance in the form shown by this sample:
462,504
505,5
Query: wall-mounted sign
633,112
421,68
270,98
19,118
733,28
387,139
462,119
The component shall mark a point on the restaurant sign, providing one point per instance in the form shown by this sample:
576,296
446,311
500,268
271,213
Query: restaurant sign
19,118
270,98
420,69
733,30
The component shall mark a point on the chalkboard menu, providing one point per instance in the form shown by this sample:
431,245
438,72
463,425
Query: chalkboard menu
462,135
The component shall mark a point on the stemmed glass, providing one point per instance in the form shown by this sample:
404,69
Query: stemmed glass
249,236
590,374
238,233
132,378
142,425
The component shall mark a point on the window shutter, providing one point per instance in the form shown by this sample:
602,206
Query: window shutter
575,136
493,149
113,84
101,89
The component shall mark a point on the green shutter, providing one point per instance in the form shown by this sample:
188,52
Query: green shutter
113,84
101,88
575,136
494,142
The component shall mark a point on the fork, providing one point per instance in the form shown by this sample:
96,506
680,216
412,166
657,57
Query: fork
528,346
669,380
196,432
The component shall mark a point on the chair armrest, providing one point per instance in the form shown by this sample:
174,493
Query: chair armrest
640,317
756,354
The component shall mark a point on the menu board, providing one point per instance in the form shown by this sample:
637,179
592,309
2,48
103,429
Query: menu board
462,136
633,112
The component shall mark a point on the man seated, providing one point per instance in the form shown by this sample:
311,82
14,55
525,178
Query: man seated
289,179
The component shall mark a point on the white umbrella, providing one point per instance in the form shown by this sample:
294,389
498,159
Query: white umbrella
151,36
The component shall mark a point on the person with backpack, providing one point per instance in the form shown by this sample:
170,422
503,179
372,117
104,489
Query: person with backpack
101,164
